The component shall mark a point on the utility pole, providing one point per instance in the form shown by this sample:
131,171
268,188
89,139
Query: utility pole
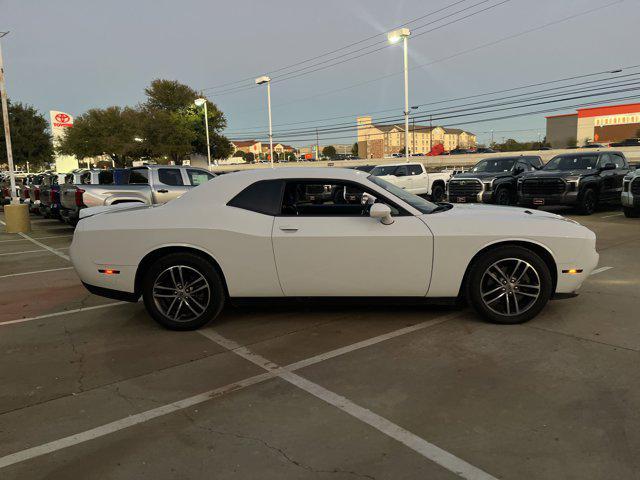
430,132
492,142
16,215
413,149
317,145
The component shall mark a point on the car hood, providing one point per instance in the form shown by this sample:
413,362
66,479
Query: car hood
487,213
559,173
481,175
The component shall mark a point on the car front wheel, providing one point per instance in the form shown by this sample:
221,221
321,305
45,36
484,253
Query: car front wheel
631,212
589,202
437,193
509,285
183,291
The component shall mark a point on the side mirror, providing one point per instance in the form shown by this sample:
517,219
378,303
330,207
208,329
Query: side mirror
609,166
381,211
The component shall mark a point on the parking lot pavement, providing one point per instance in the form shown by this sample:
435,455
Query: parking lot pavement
93,388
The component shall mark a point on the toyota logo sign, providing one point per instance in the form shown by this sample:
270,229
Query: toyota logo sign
62,118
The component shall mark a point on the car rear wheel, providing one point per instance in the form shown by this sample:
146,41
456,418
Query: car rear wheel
589,202
509,285
631,212
183,291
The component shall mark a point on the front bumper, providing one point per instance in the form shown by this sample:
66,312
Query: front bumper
566,198
630,200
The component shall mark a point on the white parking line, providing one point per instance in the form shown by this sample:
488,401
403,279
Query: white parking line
614,215
58,314
20,253
38,238
426,449
42,245
37,271
44,249
600,270
145,416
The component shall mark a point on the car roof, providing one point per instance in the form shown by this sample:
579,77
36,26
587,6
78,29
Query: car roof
398,164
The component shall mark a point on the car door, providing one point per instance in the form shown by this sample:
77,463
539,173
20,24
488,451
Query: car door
402,177
169,184
332,247
608,187
417,179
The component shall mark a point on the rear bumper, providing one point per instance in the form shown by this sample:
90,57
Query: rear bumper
110,293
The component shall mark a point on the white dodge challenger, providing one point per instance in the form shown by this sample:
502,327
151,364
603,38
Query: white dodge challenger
321,232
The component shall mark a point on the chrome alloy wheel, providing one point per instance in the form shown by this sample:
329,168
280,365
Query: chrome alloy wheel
510,287
181,293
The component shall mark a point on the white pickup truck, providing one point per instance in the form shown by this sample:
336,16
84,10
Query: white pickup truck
414,178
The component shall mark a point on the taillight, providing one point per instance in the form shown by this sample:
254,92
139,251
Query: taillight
25,193
79,193
52,196
37,194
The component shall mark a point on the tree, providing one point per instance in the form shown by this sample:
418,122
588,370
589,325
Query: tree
30,139
169,95
167,134
240,153
250,157
354,149
329,151
113,131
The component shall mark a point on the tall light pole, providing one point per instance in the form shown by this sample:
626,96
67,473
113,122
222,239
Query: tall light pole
200,102
16,215
260,81
395,37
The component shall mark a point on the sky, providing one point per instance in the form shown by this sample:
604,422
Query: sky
74,55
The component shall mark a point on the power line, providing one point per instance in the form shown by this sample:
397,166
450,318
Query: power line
346,47
321,65
479,105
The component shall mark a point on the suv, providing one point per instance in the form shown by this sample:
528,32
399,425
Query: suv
582,180
493,180
631,194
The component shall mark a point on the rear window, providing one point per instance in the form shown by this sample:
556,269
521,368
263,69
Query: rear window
140,176
198,177
170,176
105,177
261,197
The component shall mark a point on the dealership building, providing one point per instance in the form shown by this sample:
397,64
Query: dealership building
608,124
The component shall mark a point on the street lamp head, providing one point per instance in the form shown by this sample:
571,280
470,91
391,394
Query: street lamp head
263,79
397,35
200,101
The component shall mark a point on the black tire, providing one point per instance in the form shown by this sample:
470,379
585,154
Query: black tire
503,196
437,193
630,212
588,202
186,319
480,284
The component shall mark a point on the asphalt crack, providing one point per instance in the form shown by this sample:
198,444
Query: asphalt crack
80,357
278,450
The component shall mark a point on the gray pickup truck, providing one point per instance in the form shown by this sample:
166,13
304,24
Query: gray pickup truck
148,185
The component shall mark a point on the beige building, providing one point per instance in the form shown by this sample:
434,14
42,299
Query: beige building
247,146
377,141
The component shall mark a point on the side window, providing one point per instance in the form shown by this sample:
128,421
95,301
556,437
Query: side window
197,177
105,177
525,166
67,179
139,176
415,169
619,161
262,197
170,176
535,162
604,159
326,198
401,171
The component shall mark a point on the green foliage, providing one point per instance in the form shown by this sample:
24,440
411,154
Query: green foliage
511,145
240,153
168,125
111,131
250,157
30,139
290,156
572,142
330,152
354,149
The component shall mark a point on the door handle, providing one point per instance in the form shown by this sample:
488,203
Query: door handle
287,228
163,191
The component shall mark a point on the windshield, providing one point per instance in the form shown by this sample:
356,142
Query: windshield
415,201
494,165
380,171
572,162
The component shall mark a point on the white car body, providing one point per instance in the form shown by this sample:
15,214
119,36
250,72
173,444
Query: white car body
631,184
416,179
259,255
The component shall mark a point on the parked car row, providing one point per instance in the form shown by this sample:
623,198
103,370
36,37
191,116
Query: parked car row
64,196
580,180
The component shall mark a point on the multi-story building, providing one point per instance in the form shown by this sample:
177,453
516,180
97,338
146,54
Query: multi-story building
247,146
377,141
607,124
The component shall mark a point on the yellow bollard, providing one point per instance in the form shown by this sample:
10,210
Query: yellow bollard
16,216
